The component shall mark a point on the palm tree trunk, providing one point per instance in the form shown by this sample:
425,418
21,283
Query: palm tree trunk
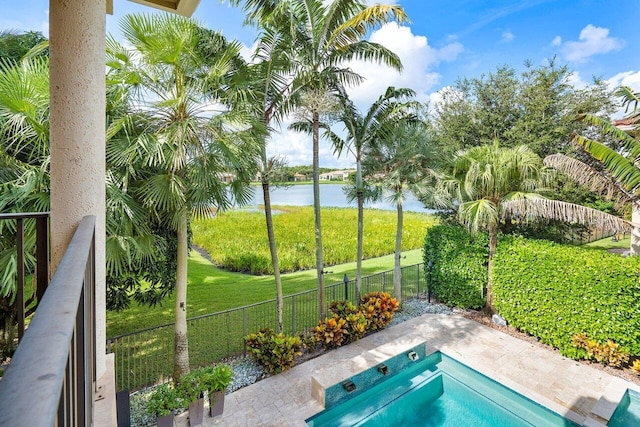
493,244
397,272
272,247
181,346
635,233
316,211
360,195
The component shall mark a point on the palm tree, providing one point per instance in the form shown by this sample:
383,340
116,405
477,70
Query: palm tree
272,79
323,38
363,132
402,163
191,135
487,184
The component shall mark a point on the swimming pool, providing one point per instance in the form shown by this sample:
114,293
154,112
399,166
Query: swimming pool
628,411
438,391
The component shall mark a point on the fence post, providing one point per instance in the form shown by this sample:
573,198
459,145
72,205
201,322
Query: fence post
346,287
244,330
293,314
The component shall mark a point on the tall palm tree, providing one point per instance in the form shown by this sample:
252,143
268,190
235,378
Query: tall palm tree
272,78
324,36
196,130
487,184
402,163
362,132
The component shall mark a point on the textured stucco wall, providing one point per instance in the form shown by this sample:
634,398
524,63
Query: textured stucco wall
77,46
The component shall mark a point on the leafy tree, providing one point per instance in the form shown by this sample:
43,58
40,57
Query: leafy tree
363,132
186,147
14,46
537,108
488,184
402,163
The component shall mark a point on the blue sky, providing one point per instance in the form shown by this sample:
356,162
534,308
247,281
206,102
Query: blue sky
445,40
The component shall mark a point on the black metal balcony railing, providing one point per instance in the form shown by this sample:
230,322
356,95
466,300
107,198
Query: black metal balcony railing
52,375
41,272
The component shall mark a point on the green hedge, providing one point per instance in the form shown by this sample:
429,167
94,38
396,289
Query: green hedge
554,291
459,271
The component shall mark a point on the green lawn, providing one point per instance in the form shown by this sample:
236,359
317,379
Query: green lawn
211,289
607,243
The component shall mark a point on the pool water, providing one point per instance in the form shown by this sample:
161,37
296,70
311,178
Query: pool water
628,411
438,391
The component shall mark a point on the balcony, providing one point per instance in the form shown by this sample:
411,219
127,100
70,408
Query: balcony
55,361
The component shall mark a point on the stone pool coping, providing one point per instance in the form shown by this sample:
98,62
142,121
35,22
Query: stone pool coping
581,393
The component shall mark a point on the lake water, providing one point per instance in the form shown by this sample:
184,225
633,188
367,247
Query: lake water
330,195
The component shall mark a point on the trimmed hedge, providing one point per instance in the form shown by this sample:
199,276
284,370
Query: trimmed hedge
459,272
554,291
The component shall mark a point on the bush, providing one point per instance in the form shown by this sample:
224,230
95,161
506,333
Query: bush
636,366
554,292
378,309
216,378
164,400
459,271
276,352
608,353
332,332
191,387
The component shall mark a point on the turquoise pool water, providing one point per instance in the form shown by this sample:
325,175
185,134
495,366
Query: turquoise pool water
438,391
628,411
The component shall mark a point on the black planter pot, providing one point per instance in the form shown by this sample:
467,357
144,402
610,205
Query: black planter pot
196,412
216,403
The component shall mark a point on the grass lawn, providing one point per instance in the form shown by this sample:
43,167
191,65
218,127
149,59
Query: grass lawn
211,289
607,243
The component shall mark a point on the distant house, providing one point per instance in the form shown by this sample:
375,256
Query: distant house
227,177
300,177
342,175
629,125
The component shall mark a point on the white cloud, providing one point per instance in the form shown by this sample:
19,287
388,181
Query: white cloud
575,80
507,36
418,60
557,41
627,78
592,41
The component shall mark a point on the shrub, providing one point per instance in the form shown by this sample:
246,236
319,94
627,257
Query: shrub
216,378
378,309
276,352
459,270
191,387
164,400
332,332
608,353
636,366
554,292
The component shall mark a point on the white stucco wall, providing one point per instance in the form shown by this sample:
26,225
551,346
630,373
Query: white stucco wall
77,46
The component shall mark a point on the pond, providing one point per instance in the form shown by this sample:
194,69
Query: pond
330,195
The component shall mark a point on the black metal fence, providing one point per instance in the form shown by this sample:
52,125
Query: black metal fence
52,375
24,303
145,357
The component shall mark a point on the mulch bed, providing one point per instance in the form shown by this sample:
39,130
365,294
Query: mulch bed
485,319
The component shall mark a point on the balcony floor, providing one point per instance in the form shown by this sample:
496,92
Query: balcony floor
581,393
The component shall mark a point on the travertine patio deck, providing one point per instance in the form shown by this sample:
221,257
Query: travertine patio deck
583,394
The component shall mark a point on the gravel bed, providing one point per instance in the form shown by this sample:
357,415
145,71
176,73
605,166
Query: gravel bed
246,371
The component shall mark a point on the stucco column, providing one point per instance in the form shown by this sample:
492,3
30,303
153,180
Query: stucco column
77,70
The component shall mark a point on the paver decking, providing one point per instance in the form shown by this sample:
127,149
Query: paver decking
583,394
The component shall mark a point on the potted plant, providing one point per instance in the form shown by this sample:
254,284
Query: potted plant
162,403
192,390
215,380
